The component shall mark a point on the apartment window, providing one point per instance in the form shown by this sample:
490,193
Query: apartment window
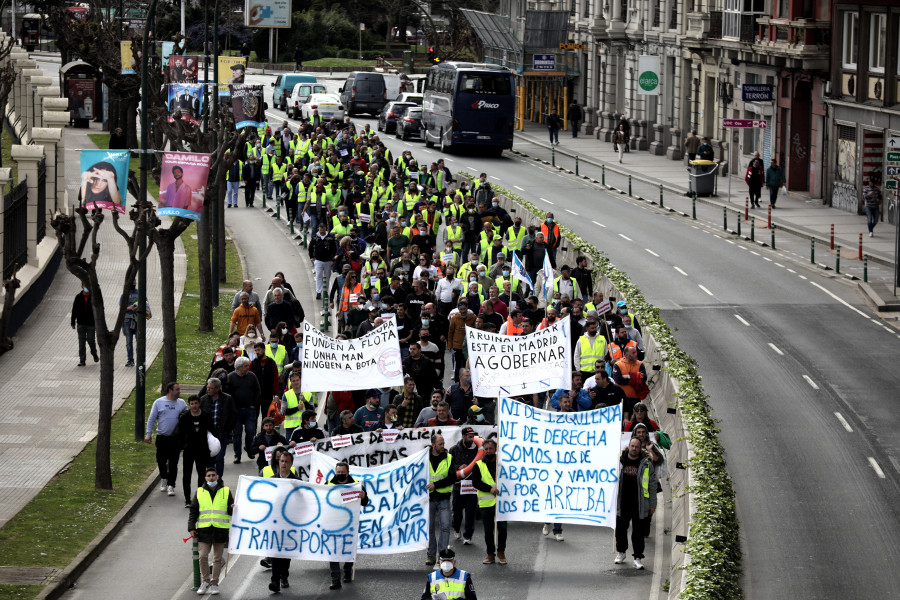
848,51
877,42
731,19
587,9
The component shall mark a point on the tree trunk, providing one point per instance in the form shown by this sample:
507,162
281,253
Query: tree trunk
220,221
204,233
103,472
165,246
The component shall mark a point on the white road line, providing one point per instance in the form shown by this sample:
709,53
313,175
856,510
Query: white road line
767,258
844,422
742,320
571,212
841,300
518,188
811,383
801,276
494,178
714,235
450,160
753,252
625,237
472,169
652,252
875,466
695,227
779,265
730,242
776,349
599,224
545,200
680,271
704,289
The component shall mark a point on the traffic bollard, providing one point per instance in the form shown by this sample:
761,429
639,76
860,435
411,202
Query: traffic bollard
837,260
739,224
812,250
292,225
278,211
747,209
773,237
553,155
694,206
576,164
325,310
264,200
724,218
602,174
865,268
661,205
860,247
769,224
195,553
831,247
629,185
752,229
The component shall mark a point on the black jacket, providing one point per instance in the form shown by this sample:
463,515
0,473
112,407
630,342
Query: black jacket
227,414
210,534
276,439
322,249
82,311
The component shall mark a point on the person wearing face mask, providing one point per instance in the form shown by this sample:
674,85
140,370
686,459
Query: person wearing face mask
470,267
209,520
276,351
484,478
472,227
452,582
550,229
264,367
267,438
420,370
296,352
464,505
342,477
633,334
249,339
83,320
622,310
308,431
534,255
368,415
481,413
589,348
390,420
456,335
515,236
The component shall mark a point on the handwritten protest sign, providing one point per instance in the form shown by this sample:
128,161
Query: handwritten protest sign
505,365
558,467
396,517
287,518
344,365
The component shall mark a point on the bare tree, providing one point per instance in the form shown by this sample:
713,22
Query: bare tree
81,252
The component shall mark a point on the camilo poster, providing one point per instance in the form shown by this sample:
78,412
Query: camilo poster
182,184
104,179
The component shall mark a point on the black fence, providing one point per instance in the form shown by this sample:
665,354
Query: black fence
15,229
42,200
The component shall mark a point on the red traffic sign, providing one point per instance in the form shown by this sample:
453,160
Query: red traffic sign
744,123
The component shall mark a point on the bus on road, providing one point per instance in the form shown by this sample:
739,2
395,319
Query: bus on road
469,104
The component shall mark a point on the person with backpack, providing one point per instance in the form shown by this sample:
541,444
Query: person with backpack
756,174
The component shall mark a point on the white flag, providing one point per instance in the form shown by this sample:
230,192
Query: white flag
548,277
519,272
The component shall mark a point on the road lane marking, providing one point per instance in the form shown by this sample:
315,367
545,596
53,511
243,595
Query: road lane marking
450,160
571,212
767,258
494,177
776,349
844,422
652,252
730,242
599,224
841,300
801,277
680,271
518,188
811,383
755,253
625,237
779,265
875,466
742,320
472,169
704,289
545,200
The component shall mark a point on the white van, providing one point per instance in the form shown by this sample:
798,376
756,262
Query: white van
391,86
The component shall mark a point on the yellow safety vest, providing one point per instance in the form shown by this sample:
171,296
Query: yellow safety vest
485,499
213,511
268,471
590,355
453,586
513,283
266,163
278,356
514,242
292,401
443,470
455,236
576,293
279,173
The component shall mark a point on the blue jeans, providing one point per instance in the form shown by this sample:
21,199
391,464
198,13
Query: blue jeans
439,513
130,334
231,194
871,217
467,503
246,420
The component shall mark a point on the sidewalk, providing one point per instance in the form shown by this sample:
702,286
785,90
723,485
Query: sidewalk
49,408
796,212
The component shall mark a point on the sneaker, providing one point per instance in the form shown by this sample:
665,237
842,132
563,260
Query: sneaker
467,541
559,537
213,590
456,535
202,589
81,364
130,363
489,560
638,564
274,587
501,557
871,234
620,558
170,491
335,584
163,485
546,529
429,561
264,563
95,357
187,503
284,582
237,460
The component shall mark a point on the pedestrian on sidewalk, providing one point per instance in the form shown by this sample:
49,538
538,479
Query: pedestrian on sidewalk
626,127
575,117
129,325
705,150
83,321
873,198
691,144
553,125
774,180
298,57
620,140
164,418
210,520
754,177
637,501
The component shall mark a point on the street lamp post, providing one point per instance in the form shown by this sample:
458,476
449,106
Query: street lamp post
216,208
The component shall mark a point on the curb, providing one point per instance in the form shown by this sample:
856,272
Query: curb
69,576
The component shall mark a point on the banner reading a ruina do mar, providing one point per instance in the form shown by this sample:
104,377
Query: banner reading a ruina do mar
247,105
182,184
185,102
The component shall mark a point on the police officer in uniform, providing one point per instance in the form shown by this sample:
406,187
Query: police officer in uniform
448,580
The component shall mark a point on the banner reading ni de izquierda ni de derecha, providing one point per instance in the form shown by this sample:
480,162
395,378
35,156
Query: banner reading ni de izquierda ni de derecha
505,365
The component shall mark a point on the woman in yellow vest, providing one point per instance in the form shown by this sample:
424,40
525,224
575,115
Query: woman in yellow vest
484,480
210,520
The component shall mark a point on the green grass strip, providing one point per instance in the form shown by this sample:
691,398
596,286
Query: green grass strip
715,554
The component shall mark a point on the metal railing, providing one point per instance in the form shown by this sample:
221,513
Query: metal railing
15,229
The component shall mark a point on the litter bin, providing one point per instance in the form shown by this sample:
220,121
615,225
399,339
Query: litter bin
702,175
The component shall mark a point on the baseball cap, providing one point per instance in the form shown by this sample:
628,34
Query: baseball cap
373,393
466,431
621,304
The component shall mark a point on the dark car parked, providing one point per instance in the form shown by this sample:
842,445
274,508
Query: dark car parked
387,119
410,123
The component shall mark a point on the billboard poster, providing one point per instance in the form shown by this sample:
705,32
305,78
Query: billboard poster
82,94
182,184
267,13
104,179
231,70
648,75
127,58
183,69
247,105
185,102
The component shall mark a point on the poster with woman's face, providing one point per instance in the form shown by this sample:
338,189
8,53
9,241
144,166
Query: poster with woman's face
104,179
182,184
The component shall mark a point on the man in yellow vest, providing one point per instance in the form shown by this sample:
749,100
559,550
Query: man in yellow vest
484,480
276,352
453,583
590,348
265,169
291,406
440,489
453,234
514,237
210,520
279,176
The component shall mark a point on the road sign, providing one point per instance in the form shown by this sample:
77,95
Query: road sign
744,123
544,62
890,184
893,143
756,92
893,156
893,171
